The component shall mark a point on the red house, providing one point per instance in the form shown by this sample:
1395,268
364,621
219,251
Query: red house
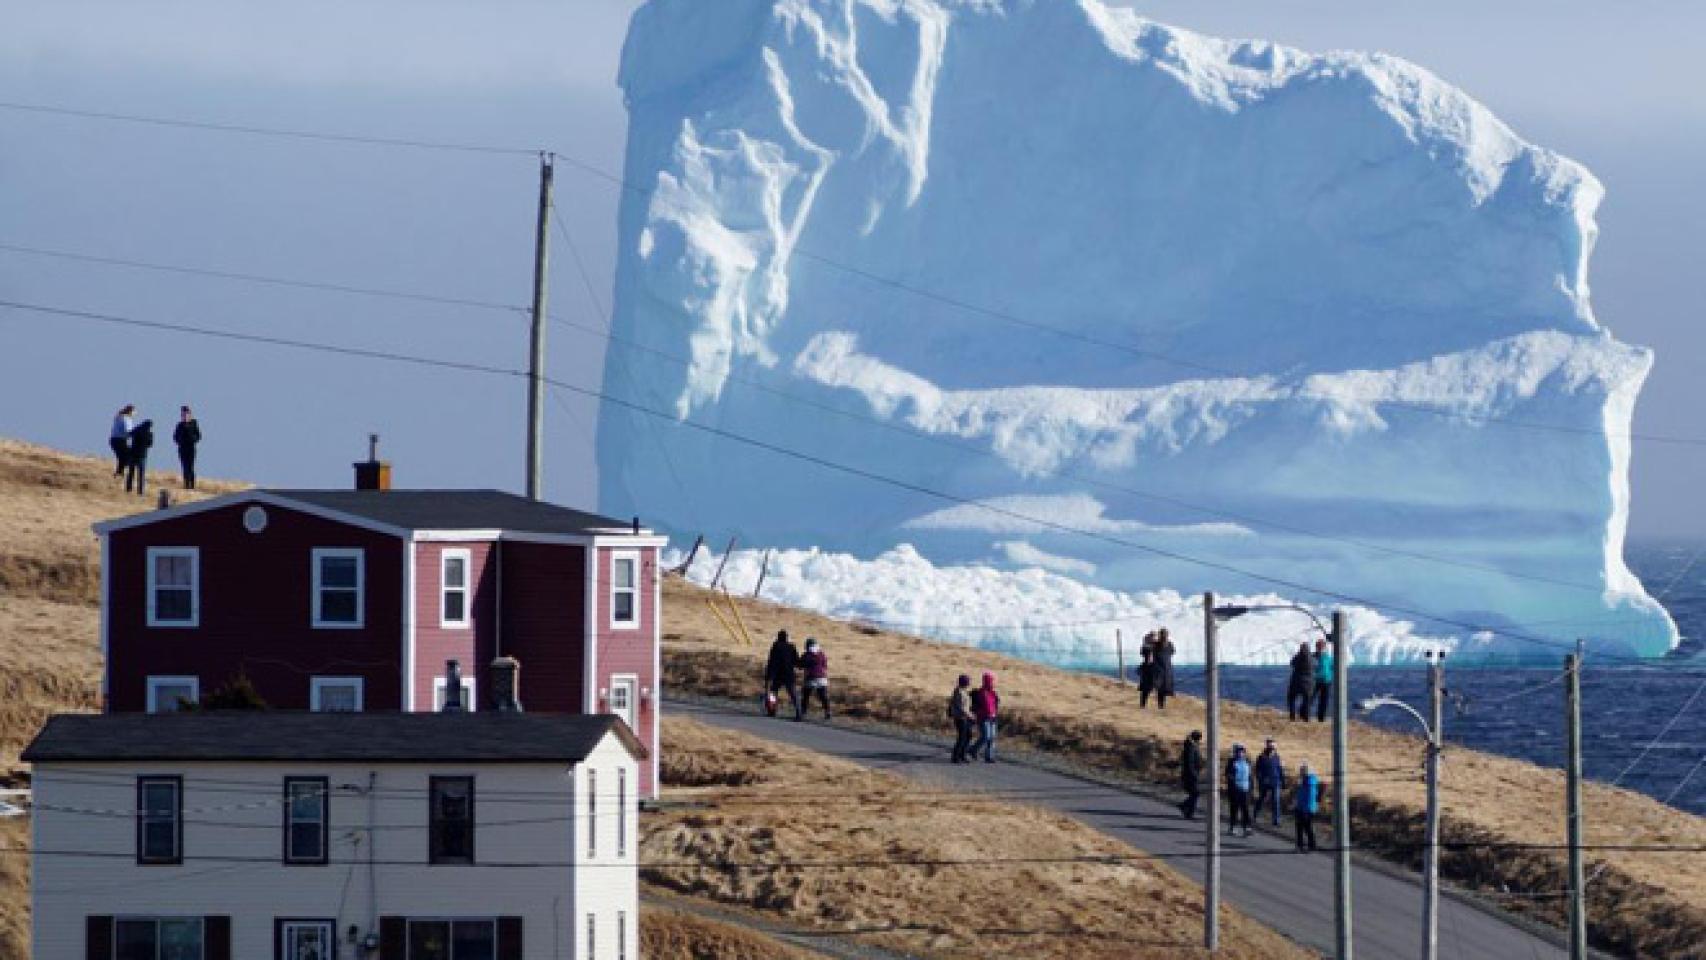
356,600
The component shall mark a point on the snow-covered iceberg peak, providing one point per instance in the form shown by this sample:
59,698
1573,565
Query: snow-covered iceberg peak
1158,287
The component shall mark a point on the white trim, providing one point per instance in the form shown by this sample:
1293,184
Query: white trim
316,684
657,670
409,560
106,622
470,694
467,589
589,640
194,555
359,555
633,556
630,542
633,681
481,534
155,682
257,496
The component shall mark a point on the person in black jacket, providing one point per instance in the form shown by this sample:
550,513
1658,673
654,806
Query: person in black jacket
1301,688
1164,650
780,669
186,435
959,711
136,467
1190,774
1146,677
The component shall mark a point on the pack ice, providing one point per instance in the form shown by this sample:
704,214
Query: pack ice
1156,312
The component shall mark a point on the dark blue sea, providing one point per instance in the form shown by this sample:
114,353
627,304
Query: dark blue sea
1642,726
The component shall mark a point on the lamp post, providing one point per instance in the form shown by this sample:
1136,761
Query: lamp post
1430,851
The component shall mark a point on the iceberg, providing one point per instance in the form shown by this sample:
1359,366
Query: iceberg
1047,288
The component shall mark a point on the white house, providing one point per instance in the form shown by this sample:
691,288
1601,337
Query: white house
335,836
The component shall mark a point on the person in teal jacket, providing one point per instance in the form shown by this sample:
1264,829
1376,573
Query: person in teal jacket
1323,679
1304,803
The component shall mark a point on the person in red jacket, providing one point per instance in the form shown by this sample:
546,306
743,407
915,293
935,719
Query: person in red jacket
815,663
985,705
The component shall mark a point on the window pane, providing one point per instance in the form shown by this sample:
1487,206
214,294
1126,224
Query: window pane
180,940
455,572
305,841
159,800
172,696
337,606
429,940
338,697
455,605
172,604
337,572
159,840
306,800
307,941
172,570
474,940
134,940
452,824
624,574
624,607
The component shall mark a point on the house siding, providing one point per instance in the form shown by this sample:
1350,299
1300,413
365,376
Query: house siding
623,650
472,646
255,595
544,623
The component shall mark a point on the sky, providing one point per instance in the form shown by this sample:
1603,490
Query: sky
1610,85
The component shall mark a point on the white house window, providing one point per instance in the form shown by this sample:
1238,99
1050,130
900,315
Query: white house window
453,587
174,586
591,813
335,694
621,935
592,936
159,820
441,692
150,938
625,590
621,820
168,694
453,940
339,576
306,803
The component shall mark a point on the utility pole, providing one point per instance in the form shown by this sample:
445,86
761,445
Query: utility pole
1341,794
536,355
1211,876
1436,740
1119,652
1573,801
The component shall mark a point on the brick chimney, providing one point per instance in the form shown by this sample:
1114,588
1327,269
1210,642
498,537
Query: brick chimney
373,473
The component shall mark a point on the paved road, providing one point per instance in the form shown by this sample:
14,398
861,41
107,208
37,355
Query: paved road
1292,893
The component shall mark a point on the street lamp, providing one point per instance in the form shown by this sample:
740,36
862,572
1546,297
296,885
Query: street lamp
1231,611
1430,851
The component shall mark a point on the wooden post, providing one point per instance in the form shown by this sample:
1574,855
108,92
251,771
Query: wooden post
1119,651
1211,884
763,569
1573,804
536,352
718,578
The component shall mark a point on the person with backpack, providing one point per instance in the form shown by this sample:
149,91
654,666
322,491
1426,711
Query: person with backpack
959,711
1300,690
1190,774
1323,680
1304,803
985,706
1145,677
1238,778
119,438
186,435
1163,651
136,466
779,674
815,663
1270,779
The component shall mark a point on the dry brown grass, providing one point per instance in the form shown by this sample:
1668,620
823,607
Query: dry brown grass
791,805
1647,904
667,934
14,890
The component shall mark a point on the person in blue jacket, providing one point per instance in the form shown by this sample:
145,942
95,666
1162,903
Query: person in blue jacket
1323,679
1270,779
1304,803
1238,777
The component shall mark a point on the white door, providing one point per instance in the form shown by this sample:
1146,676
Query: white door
307,940
625,697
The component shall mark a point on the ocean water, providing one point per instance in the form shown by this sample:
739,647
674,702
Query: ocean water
1643,726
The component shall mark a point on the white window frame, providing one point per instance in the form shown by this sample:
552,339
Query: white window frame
632,683
621,818
334,553
156,682
470,702
318,684
592,814
194,555
467,588
616,557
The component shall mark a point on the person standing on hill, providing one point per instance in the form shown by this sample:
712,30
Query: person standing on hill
119,438
1301,689
985,706
1145,677
1164,651
1238,776
959,711
1270,779
1190,773
815,663
1304,803
1323,679
779,673
136,466
187,434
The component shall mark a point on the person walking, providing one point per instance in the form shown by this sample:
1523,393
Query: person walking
1304,802
136,465
1163,653
1301,688
119,438
985,707
1323,679
1238,775
1145,677
959,711
1190,773
1270,779
779,674
815,663
187,434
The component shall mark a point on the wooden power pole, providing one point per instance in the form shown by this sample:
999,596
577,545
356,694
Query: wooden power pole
536,353
1343,942
1211,873
1573,803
